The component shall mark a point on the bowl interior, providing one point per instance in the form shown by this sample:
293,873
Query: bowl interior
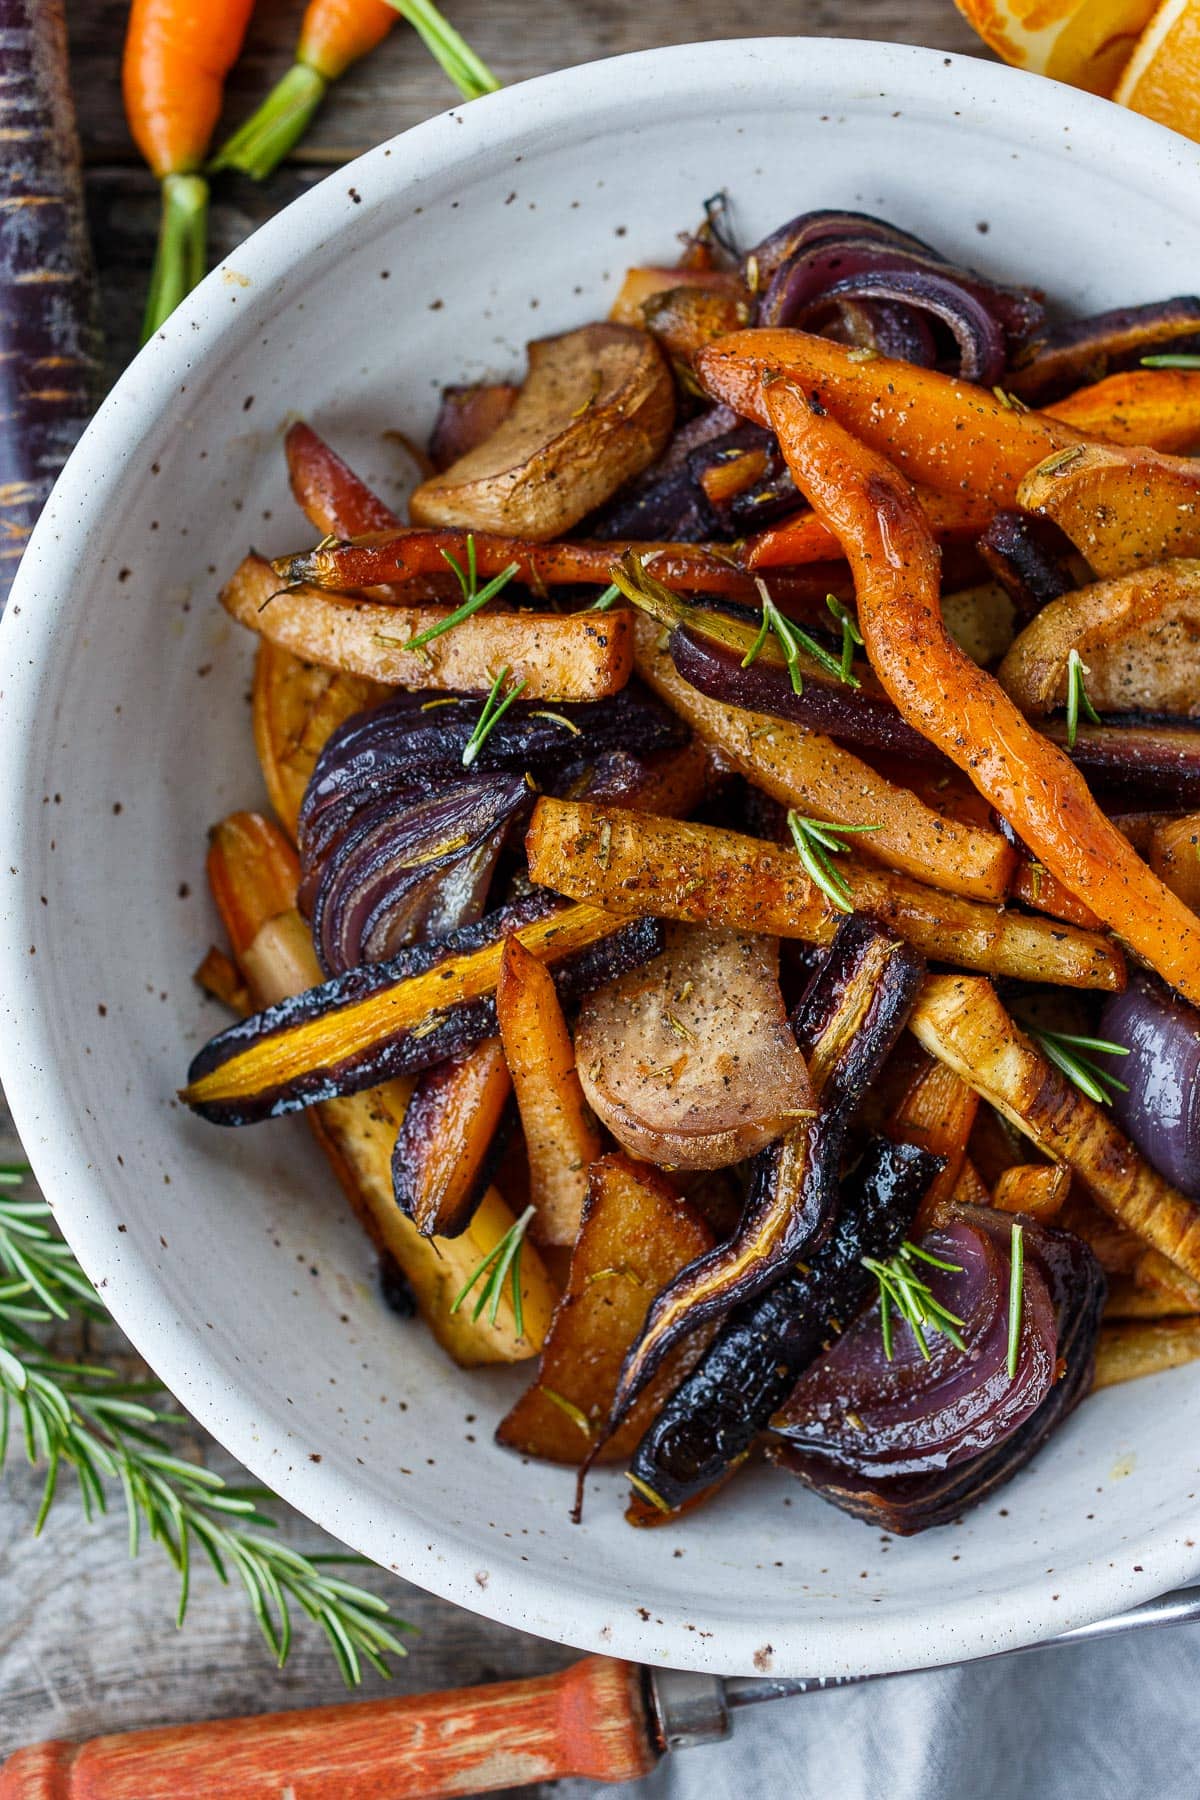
228,1256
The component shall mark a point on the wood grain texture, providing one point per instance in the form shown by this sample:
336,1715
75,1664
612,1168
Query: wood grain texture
87,1643
585,1720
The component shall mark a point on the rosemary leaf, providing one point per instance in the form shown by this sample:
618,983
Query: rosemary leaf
1016,1297
490,717
816,843
1077,696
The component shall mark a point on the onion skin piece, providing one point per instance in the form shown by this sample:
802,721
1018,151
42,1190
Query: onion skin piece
1161,1110
849,1018
711,1421
913,1414
398,1017
907,1504
892,553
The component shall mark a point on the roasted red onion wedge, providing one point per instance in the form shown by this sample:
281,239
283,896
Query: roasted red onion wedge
938,1438
1159,1106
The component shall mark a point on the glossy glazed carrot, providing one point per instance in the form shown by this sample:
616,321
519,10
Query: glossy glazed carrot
940,431
956,704
177,55
805,539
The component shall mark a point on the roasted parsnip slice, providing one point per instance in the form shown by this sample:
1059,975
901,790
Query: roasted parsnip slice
960,1019
690,1061
636,1236
639,865
561,1139
569,656
1126,1300
1138,636
807,770
275,955
1121,508
1127,1352
596,409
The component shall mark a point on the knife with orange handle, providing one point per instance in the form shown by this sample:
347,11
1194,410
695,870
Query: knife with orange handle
600,1718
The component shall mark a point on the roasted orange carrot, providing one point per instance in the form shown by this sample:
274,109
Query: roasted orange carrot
805,539
177,55
333,35
959,707
1159,408
937,1112
942,432
328,492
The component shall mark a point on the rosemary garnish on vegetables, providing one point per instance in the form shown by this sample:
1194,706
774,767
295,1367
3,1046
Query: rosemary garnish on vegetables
473,596
1063,1049
1179,359
490,717
852,638
902,1290
816,842
1016,1297
792,641
1077,696
492,1271
604,600
81,1416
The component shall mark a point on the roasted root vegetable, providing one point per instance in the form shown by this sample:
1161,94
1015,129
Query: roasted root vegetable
296,707
1030,783
940,431
806,538
595,410
1038,1190
848,1021
561,1139
577,656
961,1021
1159,408
466,416
805,769
446,1147
905,1440
1127,1352
397,1017
690,1061
937,1112
645,284
1083,349
709,1424
248,864
49,348
638,865
1137,635
326,489
635,1237
1121,508
1175,856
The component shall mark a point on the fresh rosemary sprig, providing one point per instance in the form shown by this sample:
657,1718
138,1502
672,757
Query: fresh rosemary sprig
494,710
816,842
852,638
473,596
1179,359
80,1416
1077,696
605,599
493,1269
794,642
902,1290
1016,1296
1091,1078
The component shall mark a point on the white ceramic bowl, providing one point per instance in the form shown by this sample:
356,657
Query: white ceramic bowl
228,1256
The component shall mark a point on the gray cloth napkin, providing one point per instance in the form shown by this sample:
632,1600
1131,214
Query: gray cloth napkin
1115,1721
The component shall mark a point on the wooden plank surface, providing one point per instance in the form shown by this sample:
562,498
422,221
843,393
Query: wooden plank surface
87,1643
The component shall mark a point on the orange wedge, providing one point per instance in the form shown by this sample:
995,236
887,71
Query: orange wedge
1162,78
1084,42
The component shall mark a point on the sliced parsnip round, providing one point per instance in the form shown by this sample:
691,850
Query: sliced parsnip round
1138,636
596,409
690,1061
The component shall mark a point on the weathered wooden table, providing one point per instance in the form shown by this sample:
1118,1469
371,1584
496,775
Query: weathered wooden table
87,1642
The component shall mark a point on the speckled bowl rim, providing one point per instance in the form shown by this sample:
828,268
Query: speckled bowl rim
1087,1588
